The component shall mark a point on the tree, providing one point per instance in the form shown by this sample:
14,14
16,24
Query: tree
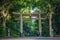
5,5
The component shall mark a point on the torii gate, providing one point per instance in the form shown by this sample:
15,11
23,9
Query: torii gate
39,19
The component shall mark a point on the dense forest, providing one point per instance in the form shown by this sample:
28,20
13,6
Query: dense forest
11,27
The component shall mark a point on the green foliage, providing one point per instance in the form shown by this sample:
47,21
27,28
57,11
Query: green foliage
2,32
30,26
45,28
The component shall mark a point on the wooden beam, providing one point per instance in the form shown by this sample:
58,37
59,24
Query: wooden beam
16,14
30,18
25,14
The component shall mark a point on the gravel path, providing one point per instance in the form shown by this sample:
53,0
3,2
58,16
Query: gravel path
32,38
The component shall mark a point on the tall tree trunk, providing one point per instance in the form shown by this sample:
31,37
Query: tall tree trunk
4,15
50,22
50,26
4,22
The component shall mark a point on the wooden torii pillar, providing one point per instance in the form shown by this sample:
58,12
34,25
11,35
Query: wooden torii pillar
21,25
40,26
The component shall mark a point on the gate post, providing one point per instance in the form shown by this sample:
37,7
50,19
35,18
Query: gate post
21,25
40,26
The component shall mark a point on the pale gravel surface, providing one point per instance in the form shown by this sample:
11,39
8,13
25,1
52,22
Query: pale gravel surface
32,38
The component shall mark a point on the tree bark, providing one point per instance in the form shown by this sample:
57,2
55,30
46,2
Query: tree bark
4,15
4,22
50,24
